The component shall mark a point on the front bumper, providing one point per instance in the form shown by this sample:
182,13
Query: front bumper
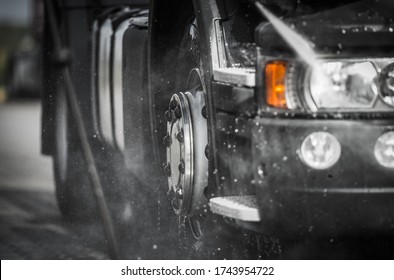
354,194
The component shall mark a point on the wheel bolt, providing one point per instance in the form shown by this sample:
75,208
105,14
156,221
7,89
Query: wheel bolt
180,136
177,112
168,116
167,140
204,111
179,193
175,204
167,170
173,104
181,167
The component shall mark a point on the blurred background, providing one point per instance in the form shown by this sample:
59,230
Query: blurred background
31,226
16,41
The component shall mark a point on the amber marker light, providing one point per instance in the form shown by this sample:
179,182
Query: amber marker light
275,77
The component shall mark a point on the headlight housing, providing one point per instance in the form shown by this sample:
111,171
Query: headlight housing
333,85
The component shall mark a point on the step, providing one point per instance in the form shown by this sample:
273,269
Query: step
242,208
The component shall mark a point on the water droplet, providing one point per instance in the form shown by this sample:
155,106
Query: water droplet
391,29
285,158
154,247
261,171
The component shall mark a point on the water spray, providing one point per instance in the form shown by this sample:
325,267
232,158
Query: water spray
301,46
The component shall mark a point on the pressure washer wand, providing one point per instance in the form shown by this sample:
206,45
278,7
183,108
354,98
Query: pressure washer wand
105,215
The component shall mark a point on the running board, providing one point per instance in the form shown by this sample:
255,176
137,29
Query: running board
242,208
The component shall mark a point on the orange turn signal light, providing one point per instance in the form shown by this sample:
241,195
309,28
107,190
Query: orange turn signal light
275,84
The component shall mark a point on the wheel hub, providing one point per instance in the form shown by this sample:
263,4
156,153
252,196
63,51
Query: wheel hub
186,141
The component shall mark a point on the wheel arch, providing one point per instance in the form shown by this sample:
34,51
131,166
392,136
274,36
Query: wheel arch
164,40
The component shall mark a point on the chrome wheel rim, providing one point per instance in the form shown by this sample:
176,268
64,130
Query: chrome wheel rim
186,140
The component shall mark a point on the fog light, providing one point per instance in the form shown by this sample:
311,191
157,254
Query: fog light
384,149
320,150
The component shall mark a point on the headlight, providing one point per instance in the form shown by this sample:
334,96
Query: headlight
347,85
342,85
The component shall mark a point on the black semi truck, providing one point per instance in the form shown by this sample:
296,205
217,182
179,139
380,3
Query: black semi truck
269,118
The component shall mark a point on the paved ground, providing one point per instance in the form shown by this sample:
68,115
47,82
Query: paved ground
31,225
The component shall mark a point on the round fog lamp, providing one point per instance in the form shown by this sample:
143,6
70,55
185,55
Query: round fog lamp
384,150
320,150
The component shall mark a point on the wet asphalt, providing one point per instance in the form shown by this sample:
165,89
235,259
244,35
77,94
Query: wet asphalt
31,226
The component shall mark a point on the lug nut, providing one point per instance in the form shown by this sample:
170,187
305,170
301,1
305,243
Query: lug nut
167,170
168,115
167,140
179,193
181,167
180,136
173,104
177,112
175,204
204,111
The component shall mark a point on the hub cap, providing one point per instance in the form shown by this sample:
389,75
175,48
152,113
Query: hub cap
186,140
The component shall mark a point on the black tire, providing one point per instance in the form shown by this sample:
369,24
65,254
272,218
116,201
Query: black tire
73,190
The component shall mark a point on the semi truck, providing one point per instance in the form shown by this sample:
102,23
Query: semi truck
261,118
